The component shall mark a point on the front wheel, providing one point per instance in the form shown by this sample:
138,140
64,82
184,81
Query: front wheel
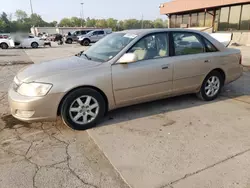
34,45
211,86
4,45
83,108
85,42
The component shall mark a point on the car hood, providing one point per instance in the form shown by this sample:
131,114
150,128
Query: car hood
40,70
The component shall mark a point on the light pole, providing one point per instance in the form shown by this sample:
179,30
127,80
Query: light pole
82,14
31,7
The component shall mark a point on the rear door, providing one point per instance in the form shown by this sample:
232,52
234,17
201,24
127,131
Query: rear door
191,61
101,34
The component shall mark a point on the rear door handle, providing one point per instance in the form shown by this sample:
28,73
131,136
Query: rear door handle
164,67
207,61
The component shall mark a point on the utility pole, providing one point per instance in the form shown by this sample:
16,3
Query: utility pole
31,7
82,14
142,21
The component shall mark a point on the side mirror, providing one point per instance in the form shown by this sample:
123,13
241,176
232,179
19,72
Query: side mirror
128,58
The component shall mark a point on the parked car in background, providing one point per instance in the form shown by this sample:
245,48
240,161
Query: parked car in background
6,43
93,36
28,41
123,69
4,36
73,37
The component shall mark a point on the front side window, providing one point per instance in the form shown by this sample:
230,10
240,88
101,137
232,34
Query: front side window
151,47
187,43
108,47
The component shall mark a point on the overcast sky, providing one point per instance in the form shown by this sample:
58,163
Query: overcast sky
56,9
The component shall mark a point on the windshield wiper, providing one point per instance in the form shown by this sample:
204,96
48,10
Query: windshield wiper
87,56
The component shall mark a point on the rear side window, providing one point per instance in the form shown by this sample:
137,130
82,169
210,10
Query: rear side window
187,43
209,46
100,32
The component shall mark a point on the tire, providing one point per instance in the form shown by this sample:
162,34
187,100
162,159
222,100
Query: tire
4,45
69,41
215,87
71,109
34,45
85,42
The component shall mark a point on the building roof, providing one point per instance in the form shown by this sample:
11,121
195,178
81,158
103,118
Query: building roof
176,6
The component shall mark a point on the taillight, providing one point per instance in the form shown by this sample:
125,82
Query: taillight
240,59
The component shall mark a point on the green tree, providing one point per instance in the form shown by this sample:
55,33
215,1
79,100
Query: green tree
102,23
147,24
65,22
112,23
77,22
90,22
131,24
158,23
21,15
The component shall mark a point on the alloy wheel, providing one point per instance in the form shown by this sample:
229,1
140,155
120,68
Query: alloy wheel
84,110
212,86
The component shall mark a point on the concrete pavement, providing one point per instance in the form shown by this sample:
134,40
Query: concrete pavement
172,143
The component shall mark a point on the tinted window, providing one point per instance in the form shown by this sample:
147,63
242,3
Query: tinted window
201,19
234,18
194,18
172,21
84,32
223,26
209,19
100,32
95,33
210,47
245,18
185,19
178,21
152,46
187,43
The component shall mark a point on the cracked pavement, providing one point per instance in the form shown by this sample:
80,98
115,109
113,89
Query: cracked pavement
48,154
173,143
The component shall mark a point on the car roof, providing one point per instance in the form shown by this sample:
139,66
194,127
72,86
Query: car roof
143,32
148,31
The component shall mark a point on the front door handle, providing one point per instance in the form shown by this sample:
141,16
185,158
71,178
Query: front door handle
164,67
207,61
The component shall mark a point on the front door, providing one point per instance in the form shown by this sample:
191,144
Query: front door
148,78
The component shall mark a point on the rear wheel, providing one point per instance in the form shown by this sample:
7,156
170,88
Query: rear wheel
211,86
34,45
4,45
69,41
83,108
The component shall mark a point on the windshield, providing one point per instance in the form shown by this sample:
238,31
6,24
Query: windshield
108,47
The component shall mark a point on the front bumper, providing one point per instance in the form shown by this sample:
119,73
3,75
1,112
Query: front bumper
34,108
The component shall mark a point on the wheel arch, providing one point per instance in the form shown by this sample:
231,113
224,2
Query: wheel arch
85,86
4,43
221,71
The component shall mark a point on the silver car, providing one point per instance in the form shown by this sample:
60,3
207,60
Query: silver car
123,69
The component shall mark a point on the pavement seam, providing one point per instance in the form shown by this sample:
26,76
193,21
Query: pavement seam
206,168
125,181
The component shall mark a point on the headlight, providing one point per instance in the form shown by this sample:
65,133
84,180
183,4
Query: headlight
34,89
